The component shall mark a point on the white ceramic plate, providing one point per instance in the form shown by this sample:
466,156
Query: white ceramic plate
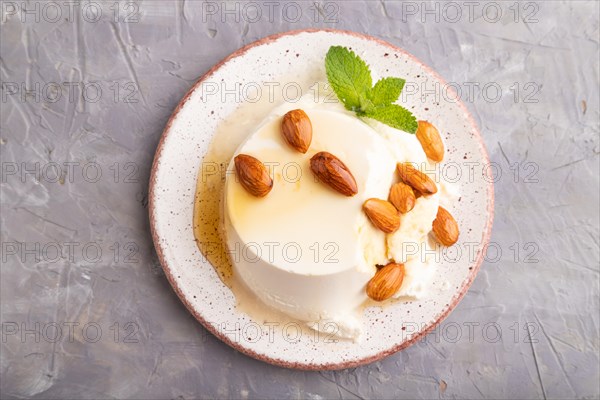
186,139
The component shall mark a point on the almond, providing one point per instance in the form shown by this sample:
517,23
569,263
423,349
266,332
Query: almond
297,130
382,214
445,227
334,173
416,179
386,282
253,175
431,141
402,197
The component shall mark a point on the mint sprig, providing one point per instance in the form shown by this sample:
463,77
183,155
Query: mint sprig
350,78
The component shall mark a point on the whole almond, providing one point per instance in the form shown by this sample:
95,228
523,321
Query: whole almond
445,227
253,175
334,173
382,214
297,130
416,179
386,282
431,141
402,197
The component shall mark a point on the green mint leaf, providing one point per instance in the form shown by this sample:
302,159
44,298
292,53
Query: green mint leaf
395,116
386,91
349,76
365,104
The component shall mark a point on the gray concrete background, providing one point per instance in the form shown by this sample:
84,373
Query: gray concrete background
103,78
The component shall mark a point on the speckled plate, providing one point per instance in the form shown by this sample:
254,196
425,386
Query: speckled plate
186,139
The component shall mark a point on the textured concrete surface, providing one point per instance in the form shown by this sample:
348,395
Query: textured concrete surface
87,88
